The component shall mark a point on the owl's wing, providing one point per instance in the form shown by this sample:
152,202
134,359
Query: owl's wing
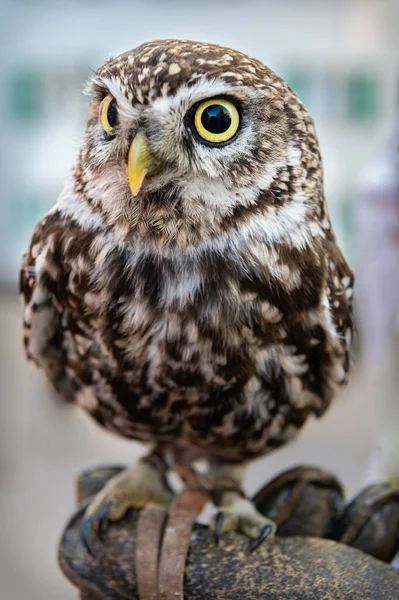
313,356
43,329
340,281
329,349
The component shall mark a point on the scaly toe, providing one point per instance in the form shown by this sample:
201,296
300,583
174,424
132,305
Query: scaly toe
241,516
224,521
252,524
129,489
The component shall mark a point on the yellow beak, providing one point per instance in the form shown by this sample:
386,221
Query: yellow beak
140,162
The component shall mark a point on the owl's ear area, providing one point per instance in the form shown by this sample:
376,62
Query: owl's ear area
99,88
96,89
96,92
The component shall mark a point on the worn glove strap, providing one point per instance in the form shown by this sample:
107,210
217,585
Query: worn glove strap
150,528
160,562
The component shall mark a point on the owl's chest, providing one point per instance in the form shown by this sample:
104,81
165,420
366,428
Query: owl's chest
167,327
169,324
172,300
186,330
173,352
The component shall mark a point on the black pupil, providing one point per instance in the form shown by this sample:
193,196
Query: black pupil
216,118
112,113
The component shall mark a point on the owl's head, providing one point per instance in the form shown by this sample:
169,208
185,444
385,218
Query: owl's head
184,139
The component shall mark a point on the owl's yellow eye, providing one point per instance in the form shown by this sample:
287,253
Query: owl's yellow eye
109,115
217,120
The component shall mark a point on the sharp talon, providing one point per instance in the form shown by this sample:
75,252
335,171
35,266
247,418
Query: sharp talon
94,527
218,526
264,533
103,519
85,533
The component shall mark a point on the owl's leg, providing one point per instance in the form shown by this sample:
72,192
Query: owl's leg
145,483
237,512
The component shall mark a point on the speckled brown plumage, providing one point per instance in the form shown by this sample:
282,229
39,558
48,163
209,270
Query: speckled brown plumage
214,309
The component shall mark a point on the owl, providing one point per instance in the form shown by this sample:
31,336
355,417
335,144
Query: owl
187,290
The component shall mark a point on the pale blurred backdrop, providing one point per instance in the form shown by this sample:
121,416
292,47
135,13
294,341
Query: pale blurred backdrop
342,58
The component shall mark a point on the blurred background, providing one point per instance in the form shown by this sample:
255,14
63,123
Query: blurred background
342,58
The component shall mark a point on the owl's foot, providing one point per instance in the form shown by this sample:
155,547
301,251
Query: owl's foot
134,488
239,514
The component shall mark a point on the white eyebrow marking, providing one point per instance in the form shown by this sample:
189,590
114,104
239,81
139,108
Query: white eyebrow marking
125,105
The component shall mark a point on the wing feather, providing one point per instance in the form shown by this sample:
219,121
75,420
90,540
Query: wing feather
42,316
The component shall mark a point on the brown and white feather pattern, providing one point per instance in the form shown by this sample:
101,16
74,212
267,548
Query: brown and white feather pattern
215,309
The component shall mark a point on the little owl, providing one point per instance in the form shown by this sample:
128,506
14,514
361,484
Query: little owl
187,289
